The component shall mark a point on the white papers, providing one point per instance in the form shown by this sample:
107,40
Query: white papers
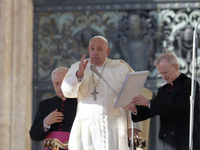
132,87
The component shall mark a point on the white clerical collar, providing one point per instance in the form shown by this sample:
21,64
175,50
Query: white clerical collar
63,99
104,62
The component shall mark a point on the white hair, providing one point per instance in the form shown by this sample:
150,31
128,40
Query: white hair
171,58
58,69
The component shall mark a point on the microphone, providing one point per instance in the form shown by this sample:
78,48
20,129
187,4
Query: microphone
193,87
94,69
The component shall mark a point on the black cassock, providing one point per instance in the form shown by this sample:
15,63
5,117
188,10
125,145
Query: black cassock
67,107
172,104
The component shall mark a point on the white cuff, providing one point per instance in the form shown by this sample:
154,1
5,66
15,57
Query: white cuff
149,104
134,113
46,127
80,79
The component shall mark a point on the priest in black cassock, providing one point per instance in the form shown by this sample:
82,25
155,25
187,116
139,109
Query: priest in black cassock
55,116
172,104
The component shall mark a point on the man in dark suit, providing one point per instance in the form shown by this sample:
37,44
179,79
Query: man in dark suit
172,104
55,116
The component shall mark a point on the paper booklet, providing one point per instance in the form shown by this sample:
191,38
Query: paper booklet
132,87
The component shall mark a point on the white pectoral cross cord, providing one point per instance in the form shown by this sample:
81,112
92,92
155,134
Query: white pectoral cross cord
94,93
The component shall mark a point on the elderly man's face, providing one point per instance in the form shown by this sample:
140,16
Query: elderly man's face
98,50
167,71
57,79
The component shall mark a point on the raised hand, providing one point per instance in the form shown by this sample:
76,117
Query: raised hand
82,66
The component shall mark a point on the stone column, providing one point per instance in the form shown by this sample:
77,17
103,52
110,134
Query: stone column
16,23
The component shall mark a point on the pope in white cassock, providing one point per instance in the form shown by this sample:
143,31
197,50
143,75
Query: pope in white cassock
98,125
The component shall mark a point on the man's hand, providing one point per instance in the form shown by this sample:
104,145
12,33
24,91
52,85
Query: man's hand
131,107
135,133
137,100
129,133
82,66
54,117
140,100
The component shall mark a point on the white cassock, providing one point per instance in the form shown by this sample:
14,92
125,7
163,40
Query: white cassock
98,125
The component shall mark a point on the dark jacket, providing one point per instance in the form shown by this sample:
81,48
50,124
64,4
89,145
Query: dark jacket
37,132
174,111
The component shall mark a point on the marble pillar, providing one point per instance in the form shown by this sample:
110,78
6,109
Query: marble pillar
16,25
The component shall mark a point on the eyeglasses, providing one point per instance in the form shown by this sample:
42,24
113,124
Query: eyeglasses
165,73
162,74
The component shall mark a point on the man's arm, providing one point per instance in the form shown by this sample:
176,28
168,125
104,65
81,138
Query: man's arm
37,132
73,78
70,84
